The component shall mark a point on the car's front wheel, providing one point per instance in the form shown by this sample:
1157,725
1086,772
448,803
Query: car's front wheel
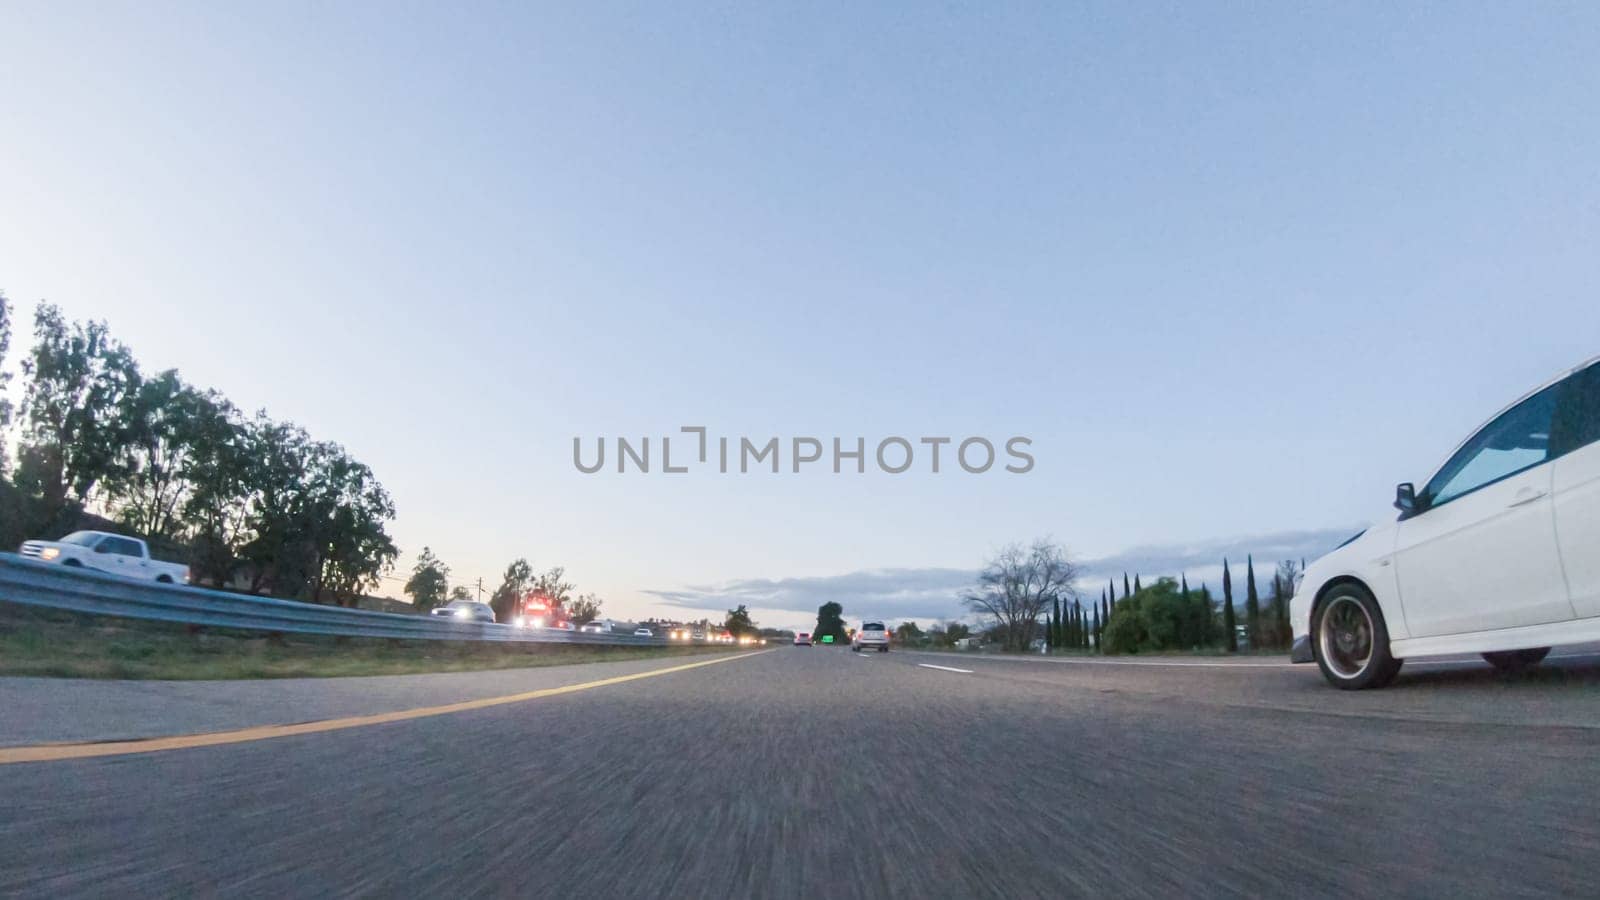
1516,660
1351,641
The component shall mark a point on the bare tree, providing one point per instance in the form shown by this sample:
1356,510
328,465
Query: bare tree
1018,584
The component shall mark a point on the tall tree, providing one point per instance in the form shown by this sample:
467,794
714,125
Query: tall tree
514,585
1136,587
167,422
830,621
1289,573
585,609
738,622
5,384
74,433
342,524
1017,586
1229,628
1098,632
1191,626
216,508
1252,604
1127,591
428,581
552,585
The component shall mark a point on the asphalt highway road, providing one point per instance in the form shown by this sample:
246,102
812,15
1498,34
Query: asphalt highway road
822,773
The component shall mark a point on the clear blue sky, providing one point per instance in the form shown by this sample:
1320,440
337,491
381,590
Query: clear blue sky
1236,272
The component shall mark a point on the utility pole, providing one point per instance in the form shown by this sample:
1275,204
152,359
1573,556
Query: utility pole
480,588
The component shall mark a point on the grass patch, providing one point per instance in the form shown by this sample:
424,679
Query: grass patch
66,645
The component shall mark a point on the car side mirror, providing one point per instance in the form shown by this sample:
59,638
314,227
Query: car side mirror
1405,498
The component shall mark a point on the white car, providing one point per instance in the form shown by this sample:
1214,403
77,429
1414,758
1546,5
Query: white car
466,610
593,628
106,552
643,632
1498,554
871,636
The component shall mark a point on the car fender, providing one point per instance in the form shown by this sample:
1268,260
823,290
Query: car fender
1367,560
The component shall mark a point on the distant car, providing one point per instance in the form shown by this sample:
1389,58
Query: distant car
802,639
467,610
106,552
1494,555
871,636
564,626
593,628
643,632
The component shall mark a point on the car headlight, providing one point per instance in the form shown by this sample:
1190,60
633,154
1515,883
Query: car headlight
463,613
50,553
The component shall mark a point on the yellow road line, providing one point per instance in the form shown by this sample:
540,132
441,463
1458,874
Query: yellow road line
52,752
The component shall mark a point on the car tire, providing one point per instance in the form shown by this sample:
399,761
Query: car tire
163,579
856,649
883,649
73,564
1510,661
1351,641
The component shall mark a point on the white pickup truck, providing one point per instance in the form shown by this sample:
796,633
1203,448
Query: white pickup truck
106,552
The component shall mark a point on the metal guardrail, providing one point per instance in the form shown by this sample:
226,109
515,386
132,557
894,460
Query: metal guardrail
81,590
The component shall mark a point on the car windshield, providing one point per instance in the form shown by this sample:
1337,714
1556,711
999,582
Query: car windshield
872,626
81,538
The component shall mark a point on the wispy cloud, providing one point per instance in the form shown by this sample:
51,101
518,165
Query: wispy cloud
934,593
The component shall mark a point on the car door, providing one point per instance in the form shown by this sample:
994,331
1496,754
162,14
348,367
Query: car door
1576,488
108,556
1480,553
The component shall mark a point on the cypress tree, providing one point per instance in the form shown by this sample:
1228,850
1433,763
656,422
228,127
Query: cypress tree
1231,635
1285,591
1136,587
1098,633
1105,611
1206,620
1252,604
1126,591
1052,625
1190,634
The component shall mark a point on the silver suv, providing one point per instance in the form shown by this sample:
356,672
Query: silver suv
872,636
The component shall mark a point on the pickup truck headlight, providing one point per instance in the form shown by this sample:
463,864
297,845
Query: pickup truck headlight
49,553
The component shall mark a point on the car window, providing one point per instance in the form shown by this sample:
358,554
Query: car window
81,538
118,546
1577,419
872,626
1519,439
